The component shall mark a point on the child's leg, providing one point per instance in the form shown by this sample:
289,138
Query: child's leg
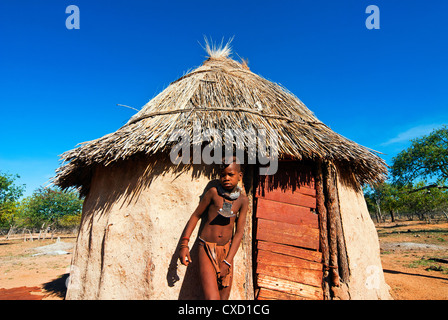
207,274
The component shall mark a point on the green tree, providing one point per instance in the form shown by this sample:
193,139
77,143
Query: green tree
426,158
424,201
383,198
9,197
411,200
47,206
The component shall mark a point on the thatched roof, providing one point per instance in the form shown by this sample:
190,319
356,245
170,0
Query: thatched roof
223,94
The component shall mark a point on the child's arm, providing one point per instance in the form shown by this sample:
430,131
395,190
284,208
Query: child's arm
184,252
241,222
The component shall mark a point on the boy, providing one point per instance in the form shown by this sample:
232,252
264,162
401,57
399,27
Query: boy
217,248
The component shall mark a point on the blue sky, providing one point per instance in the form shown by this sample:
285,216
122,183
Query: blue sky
60,87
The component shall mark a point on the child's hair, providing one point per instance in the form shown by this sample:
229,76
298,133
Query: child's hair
233,160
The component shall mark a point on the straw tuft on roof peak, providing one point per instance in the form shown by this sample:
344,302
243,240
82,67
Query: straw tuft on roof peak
218,51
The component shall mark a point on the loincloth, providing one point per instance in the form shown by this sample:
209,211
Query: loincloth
217,254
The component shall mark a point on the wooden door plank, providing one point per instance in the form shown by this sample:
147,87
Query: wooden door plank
296,274
277,259
284,212
286,233
306,254
291,198
290,287
264,188
267,294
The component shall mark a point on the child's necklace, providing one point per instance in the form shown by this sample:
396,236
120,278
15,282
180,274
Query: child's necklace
226,210
229,195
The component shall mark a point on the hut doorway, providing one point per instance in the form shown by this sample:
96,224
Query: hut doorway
288,261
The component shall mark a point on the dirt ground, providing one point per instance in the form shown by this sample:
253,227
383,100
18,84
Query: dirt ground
30,274
414,257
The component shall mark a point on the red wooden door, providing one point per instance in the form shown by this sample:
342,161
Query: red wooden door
288,260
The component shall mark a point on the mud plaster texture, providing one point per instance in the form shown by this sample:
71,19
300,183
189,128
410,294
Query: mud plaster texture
366,280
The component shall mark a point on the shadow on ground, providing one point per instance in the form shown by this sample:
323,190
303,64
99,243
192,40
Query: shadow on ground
57,286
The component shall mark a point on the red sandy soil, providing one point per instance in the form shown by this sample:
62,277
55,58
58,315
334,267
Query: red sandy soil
27,277
21,293
410,270
415,272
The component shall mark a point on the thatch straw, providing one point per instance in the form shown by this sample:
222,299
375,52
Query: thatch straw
221,94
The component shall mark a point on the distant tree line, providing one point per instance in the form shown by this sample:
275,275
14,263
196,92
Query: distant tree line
46,208
417,187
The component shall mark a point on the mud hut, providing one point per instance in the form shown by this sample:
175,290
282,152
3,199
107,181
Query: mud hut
308,234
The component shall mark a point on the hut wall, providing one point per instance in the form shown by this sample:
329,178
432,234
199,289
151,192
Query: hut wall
366,281
133,217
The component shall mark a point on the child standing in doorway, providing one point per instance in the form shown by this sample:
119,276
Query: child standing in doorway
217,243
